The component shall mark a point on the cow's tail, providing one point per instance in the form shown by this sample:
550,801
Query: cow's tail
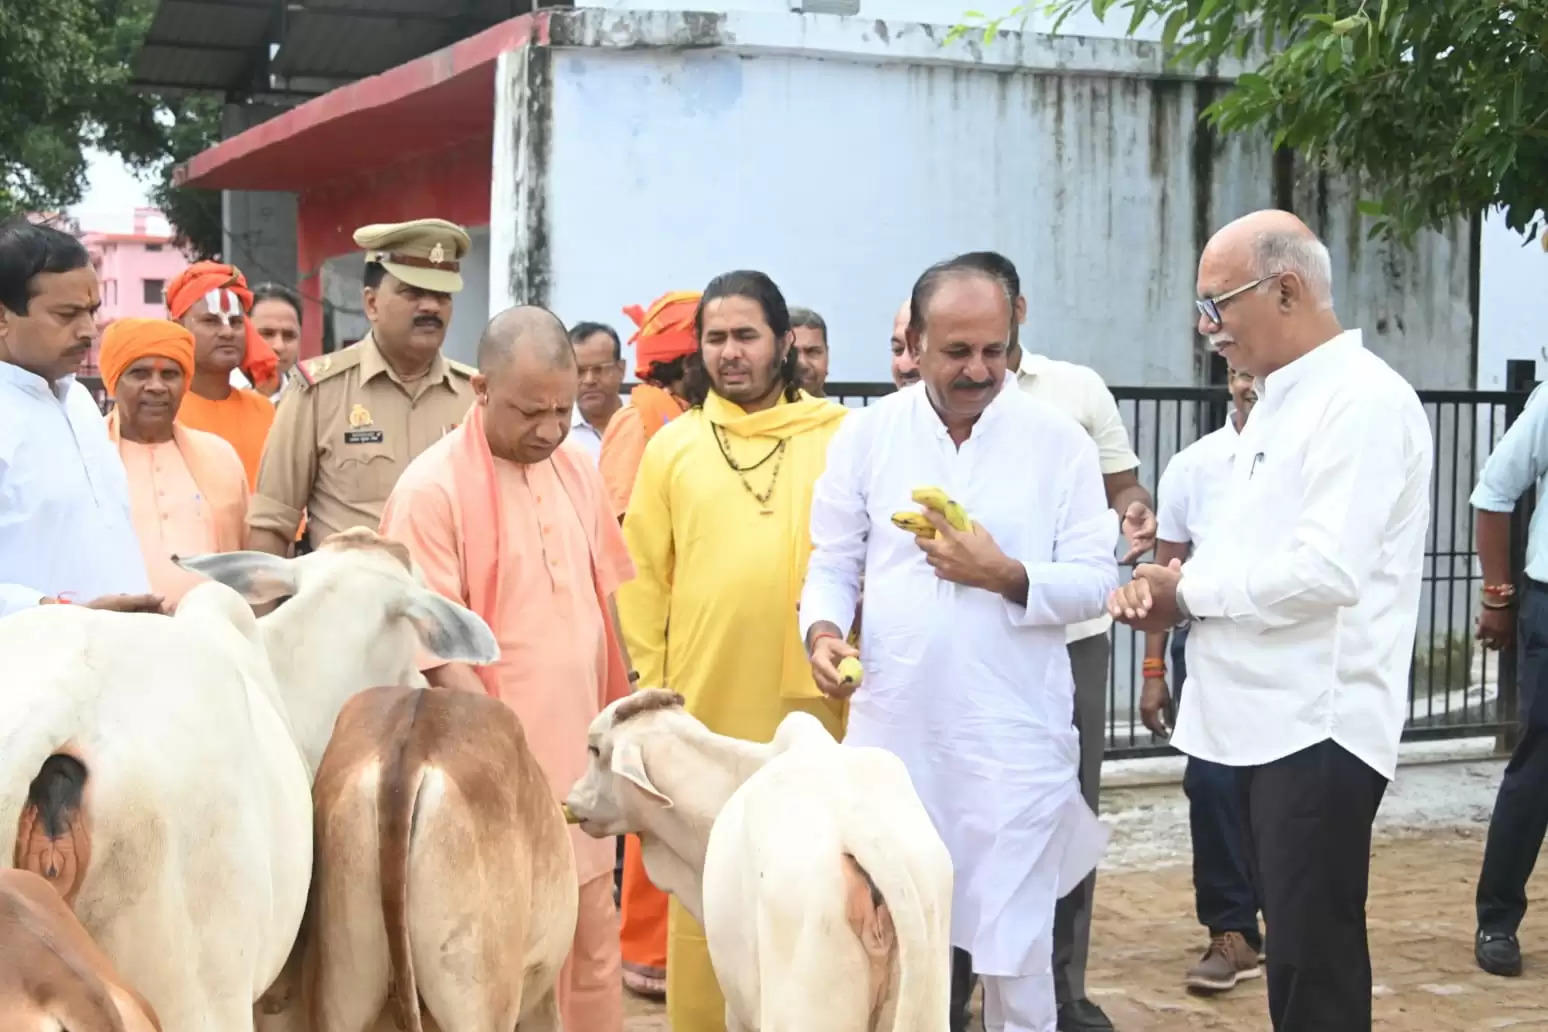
921,998
397,796
43,776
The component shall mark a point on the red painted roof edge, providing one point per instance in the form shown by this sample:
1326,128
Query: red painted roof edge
377,91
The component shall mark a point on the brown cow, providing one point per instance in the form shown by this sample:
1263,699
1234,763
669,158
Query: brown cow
52,975
443,877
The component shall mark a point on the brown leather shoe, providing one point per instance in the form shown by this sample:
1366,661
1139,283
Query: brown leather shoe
1227,961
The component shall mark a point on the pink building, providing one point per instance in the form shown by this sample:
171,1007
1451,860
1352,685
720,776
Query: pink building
134,268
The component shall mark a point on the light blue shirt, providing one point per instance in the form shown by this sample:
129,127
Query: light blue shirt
1518,461
65,527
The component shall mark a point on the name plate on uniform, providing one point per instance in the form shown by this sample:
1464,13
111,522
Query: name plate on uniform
362,437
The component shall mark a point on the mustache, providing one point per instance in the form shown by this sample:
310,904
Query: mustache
962,383
1217,340
428,320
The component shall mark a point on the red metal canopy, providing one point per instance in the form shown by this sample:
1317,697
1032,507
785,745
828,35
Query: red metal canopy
409,113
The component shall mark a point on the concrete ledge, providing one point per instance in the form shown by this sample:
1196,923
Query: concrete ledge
1168,770
870,39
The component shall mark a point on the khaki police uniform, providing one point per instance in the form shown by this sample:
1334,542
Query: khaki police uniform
347,425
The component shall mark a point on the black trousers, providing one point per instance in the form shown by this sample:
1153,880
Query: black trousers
1521,809
1225,899
1309,821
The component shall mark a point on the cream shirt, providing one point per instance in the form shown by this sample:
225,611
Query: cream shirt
1080,393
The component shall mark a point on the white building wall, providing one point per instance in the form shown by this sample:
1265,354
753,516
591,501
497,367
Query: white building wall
1512,303
842,156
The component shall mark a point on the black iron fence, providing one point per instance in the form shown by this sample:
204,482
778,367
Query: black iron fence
1455,689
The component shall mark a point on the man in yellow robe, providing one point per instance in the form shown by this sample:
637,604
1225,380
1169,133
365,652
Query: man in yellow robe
718,530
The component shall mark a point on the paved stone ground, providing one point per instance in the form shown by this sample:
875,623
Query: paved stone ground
1425,862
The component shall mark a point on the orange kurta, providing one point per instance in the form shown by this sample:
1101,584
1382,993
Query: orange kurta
243,419
174,514
553,646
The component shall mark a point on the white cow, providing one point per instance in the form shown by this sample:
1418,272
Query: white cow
822,886
157,770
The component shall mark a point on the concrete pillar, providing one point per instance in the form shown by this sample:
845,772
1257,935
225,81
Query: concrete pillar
518,188
259,226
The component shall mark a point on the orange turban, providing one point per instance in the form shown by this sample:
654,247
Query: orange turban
126,341
259,363
666,330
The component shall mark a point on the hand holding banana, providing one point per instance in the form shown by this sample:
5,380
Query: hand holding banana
934,500
960,550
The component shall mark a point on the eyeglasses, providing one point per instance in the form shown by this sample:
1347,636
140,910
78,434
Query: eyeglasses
1209,307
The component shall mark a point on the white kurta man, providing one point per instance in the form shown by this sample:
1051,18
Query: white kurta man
966,677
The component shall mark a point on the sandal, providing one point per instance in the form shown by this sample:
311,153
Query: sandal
647,982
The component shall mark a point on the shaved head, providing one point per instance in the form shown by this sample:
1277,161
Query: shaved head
527,380
526,331
1265,291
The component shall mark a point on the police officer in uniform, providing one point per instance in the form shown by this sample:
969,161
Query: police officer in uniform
350,422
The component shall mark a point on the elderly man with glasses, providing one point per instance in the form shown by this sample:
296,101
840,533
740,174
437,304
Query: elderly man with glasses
1303,605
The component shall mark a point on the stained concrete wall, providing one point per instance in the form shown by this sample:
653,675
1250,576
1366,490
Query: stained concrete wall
844,155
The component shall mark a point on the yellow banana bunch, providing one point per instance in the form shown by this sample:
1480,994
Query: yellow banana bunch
932,498
914,523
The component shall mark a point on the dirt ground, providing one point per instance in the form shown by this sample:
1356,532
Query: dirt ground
1420,915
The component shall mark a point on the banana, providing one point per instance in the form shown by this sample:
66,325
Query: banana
569,815
935,498
914,523
850,671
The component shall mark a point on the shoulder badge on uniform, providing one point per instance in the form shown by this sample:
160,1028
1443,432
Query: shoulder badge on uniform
462,370
325,367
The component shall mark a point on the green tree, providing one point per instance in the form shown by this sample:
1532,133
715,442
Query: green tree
1439,107
64,87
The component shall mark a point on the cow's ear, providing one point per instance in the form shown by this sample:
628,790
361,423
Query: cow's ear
449,631
629,764
257,576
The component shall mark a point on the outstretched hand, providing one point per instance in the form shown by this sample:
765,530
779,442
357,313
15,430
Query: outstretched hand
1139,530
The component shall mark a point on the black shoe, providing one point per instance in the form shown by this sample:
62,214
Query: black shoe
1083,1016
1498,953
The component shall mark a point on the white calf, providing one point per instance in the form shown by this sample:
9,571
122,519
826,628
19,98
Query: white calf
822,886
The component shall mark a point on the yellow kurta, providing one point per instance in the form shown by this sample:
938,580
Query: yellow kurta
725,575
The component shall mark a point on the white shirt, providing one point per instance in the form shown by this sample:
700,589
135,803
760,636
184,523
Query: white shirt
586,435
1518,462
1194,485
1306,592
1080,392
972,692
64,497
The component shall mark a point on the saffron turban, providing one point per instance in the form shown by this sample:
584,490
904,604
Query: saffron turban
126,341
199,279
666,331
